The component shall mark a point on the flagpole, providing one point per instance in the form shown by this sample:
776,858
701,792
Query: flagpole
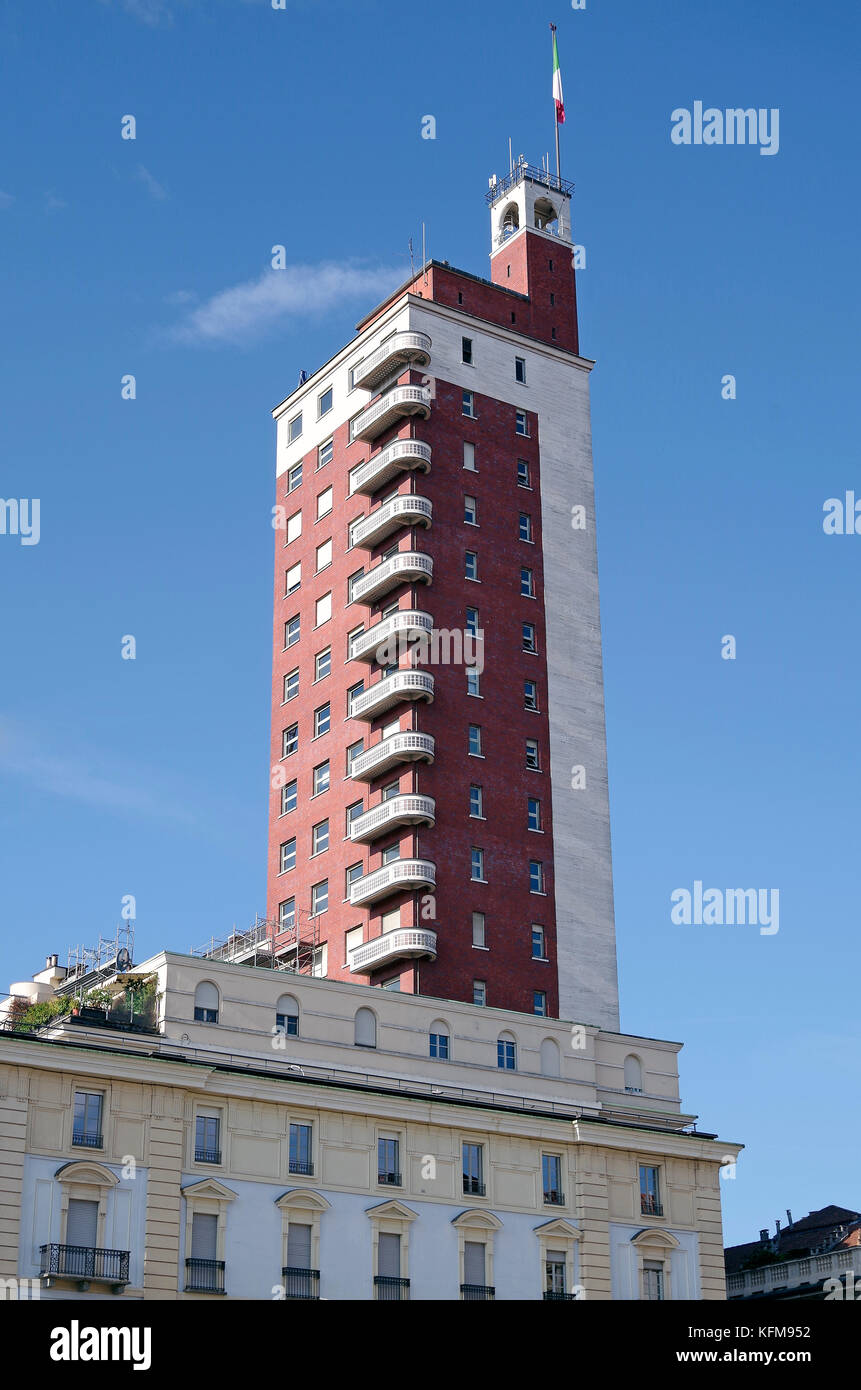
556,125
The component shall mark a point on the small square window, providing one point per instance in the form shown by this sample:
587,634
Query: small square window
291,685
466,349
468,404
532,755
530,639
527,583
439,1046
322,719
353,813
324,403
538,943
353,874
539,1003
530,695
391,854
290,740
321,778
322,663
536,876
469,457
294,527
523,473
476,865
479,992
294,477
470,511
521,424
292,580
520,369
533,813
289,797
287,914
352,696
476,802
524,527
320,897
353,752
288,855
506,1054
324,556
479,935
291,631
471,564
324,502
294,428
325,453
323,609
475,740
320,837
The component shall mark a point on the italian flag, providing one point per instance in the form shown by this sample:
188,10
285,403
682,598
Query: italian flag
557,84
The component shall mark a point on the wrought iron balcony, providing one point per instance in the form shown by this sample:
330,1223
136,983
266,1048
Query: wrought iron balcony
207,1155
553,1296
395,405
389,1179
409,623
407,510
554,1198
204,1276
405,943
402,875
649,1205
391,690
81,1140
473,1187
300,1283
386,1288
404,809
407,567
477,1293
85,1263
395,352
302,1167
402,456
408,746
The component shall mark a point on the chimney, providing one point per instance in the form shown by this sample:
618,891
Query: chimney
763,1235
50,961
776,1229
788,1217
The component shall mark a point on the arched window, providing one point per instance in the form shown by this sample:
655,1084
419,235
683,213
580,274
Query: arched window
287,1015
206,1003
366,1028
510,221
546,217
633,1075
506,1052
549,1057
439,1040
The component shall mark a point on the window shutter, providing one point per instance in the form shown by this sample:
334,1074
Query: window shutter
82,1223
204,1236
389,1256
298,1246
473,1262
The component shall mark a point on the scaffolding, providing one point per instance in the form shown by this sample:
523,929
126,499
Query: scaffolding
270,945
87,966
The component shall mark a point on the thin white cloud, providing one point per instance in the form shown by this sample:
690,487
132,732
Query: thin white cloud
251,309
6,200
149,12
180,297
53,203
150,183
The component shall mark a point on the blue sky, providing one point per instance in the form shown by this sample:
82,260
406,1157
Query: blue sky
258,127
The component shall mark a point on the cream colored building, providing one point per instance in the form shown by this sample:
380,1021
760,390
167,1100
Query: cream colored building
278,1135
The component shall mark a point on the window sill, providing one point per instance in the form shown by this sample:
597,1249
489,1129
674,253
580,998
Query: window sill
480,948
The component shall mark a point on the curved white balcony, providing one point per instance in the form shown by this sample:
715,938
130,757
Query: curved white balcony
406,747
400,457
404,944
410,622
406,567
395,405
395,352
400,876
403,685
407,809
408,510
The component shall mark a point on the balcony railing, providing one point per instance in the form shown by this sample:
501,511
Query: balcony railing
300,1283
402,875
84,1262
408,746
204,1276
396,630
473,1187
389,1179
407,809
391,690
408,510
554,1296
304,1168
554,1198
86,1141
407,567
808,1270
396,351
404,943
477,1293
207,1155
403,456
395,405
386,1287
649,1205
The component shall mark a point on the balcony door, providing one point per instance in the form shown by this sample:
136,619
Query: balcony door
82,1223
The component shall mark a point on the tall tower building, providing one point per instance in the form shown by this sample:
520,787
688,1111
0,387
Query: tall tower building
439,816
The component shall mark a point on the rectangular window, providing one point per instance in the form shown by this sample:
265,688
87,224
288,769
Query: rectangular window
473,1169
472,620
538,943
294,527
324,402
554,1274
473,681
352,581
322,663
288,855
468,404
390,854
653,1280
650,1191
294,428
320,897
320,779
479,992
536,876
388,1265
322,719
539,1003
471,565
506,1054
323,610
352,696
474,1270
291,631
320,837
527,584
324,502
292,579
290,740
287,914
520,369
87,1120
523,473
469,457
530,695
324,556
353,752
533,813
439,1046
466,350
476,864
300,1150
388,1162
353,874
289,798
470,511
353,812
207,1139
479,937
325,453
294,477
475,740
524,527
291,685
532,755
530,640
476,802
521,425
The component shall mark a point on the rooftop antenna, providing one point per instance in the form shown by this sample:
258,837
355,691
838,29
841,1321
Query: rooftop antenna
424,256
510,157
412,266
